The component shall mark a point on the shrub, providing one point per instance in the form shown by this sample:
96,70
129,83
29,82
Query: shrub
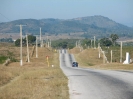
2,59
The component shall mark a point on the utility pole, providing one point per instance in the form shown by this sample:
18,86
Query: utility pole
40,38
27,49
121,53
99,49
50,43
76,44
111,56
79,43
91,43
47,41
94,42
42,43
21,61
36,48
103,57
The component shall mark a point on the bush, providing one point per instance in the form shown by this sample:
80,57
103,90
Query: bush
64,43
31,39
2,59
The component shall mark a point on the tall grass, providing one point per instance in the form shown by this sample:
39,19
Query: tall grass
36,83
116,53
89,58
34,80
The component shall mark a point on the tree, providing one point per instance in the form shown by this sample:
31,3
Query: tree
114,37
6,40
105,42
86,42
31,39
17,42
63,44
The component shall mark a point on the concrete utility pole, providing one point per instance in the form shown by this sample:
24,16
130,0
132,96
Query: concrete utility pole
47,42
36,48
99,49
103,57
94,42
27,49
40,38
79,43
121,53
42,43
50,43
76,44
21,61
111,56
40,34
91,43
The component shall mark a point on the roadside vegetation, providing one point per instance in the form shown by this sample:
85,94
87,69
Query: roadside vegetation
9,51
9,40
2,59
106,41
31,40
34,80
88,56
40,80
64,43
116,53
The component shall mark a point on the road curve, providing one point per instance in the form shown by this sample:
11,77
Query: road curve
95,84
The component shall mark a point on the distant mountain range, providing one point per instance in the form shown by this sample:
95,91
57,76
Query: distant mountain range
99,26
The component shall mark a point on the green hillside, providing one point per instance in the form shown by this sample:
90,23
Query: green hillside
93,25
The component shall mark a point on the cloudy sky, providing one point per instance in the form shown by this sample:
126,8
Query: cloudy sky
120,11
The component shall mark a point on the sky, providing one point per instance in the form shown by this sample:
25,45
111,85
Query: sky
120,11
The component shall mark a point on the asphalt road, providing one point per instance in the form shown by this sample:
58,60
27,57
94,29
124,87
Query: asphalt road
95,84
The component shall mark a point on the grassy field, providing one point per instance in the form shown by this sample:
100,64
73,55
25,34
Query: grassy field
34,80
116,53
89,58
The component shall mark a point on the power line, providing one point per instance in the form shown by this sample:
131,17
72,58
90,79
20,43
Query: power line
4,16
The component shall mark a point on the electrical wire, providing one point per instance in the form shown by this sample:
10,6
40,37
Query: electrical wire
4,16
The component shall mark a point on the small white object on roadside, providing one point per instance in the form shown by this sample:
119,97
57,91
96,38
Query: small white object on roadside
127,61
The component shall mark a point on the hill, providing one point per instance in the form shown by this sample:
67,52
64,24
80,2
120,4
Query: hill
99,26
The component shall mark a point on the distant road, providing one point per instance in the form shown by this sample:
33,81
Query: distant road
96,84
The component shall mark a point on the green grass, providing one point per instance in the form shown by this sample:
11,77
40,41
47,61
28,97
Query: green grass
116,53
89,58
2,59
